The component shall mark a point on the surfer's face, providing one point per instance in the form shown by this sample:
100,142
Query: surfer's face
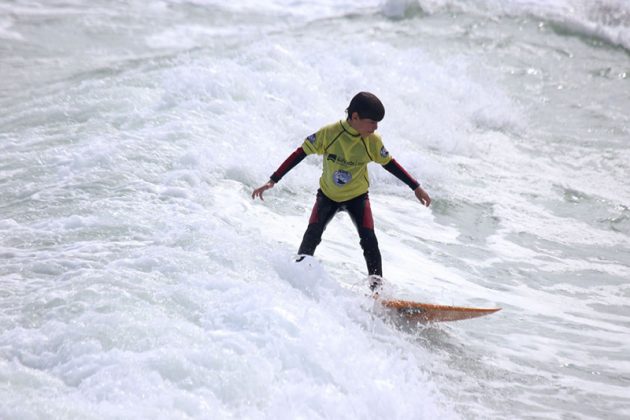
364,126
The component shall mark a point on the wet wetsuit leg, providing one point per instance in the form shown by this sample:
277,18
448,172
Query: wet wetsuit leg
323,212
361,214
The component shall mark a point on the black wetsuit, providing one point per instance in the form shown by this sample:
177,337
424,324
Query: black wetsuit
361,215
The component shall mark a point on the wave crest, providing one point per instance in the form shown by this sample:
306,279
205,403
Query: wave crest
605,20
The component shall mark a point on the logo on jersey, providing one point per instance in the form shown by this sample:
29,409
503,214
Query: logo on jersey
341,177
311,138
384,152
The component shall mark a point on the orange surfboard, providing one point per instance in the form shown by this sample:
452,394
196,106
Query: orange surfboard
428,312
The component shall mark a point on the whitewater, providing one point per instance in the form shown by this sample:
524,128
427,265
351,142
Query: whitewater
138,278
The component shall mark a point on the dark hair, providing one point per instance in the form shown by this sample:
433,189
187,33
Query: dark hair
367,105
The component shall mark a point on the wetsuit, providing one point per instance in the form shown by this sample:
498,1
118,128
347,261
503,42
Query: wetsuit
344,184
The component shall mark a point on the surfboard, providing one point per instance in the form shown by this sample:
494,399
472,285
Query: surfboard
428,312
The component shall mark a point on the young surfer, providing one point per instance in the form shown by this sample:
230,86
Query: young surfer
348,146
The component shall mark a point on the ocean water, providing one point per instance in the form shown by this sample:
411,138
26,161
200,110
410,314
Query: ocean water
138,279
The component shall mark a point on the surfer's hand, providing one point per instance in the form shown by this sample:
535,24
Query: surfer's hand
258,192
423,196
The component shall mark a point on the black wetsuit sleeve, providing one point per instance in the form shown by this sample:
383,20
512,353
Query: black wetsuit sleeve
296,157
399,172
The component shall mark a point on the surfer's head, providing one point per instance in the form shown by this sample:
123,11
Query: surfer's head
364,113
366,105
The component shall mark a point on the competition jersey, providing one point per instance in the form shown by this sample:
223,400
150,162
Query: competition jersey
346,155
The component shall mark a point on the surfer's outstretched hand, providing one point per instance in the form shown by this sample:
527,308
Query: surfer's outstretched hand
258,192
423,196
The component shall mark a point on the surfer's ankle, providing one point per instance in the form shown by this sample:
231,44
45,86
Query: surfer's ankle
375,282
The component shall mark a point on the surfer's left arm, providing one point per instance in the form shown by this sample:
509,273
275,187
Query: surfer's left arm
399,172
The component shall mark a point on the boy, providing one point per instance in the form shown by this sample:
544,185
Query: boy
348,146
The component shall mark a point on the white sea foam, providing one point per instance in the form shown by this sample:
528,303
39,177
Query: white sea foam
139,279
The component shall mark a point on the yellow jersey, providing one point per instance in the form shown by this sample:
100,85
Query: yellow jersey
346,155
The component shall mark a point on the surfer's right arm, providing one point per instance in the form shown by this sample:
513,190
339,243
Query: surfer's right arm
296,157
